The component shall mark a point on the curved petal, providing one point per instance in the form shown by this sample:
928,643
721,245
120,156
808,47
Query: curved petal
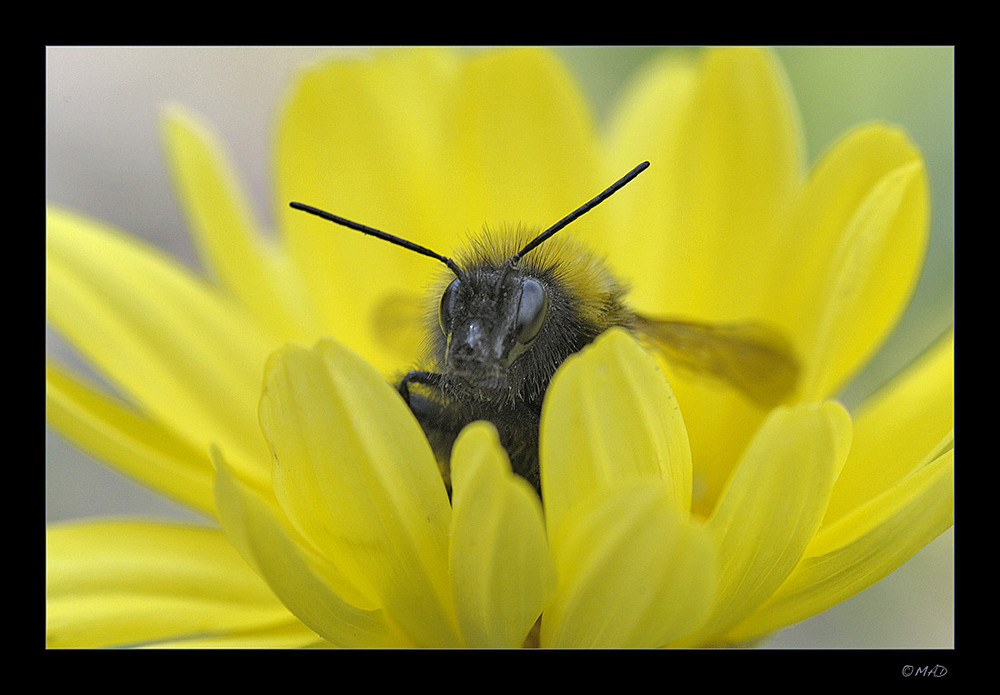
188,358
894,430
862,226
609,415
726,165
357,137
225,229
733,165
128,583
773,505
861,548
525,145
501,569
632,571
356,477
295,635
313,588
644,127
143,450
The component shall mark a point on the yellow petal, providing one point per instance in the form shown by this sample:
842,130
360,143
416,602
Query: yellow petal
632,571
356,477
506,134
644,127
862,547
863,224
525,144
185,356
120,583
295,635
894,430
314,589
726,163
609,415
734,164
773,505
357,137
224,227
119,437
501,569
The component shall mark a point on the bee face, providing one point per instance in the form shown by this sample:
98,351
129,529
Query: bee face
489,318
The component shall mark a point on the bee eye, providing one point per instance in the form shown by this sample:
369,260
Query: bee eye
531,310
447,308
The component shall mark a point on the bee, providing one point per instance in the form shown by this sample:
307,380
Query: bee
508,315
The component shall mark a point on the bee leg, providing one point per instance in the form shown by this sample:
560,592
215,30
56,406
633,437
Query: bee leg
439,422
442,421
417,377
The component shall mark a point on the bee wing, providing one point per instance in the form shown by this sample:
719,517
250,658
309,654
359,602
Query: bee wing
755,359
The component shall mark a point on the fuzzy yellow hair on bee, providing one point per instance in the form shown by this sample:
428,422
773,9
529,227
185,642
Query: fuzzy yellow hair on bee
579,271
515,306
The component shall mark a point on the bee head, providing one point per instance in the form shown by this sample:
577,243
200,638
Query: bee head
491,316
488,318
504,326
497,308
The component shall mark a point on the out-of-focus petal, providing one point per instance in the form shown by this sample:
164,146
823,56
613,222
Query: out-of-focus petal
731,163
225,228
526,144
129,583
643,128
116,435
357,138
187,357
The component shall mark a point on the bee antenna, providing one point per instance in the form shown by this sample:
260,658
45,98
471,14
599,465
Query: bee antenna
371,231
586,207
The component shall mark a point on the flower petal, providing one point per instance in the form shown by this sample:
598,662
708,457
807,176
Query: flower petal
707,224
894,430
525,143
609,415
118,583
645,127
501,569
773,505
187,358
732,164
224,227
294,635
357,138
314,589
141,449
862,547
356,477
863,229
632,571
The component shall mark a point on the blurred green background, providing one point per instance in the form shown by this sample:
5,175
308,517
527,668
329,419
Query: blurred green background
103,159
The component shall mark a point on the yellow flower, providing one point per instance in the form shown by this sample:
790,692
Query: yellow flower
675,512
